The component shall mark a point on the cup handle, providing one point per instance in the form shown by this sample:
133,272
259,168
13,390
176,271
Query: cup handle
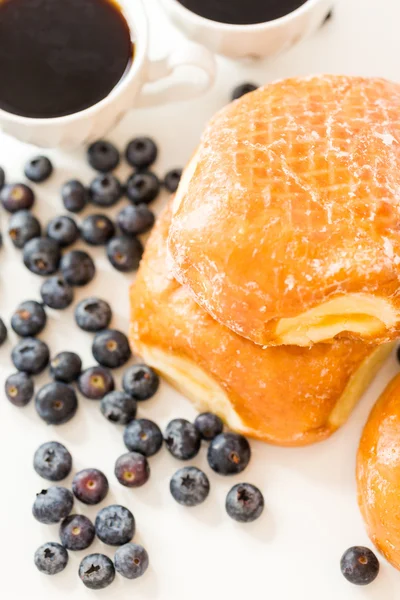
188,54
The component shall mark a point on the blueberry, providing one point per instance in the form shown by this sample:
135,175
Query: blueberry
29,319
56,403
90,486
17,196
38,169
124,253
76,532
93,314
111,348
131,561
132,469
77,268
96,571
66,367
22,227
143,436
103,156
63,230
141,152
182,439
2,178
242,90
19,389
3,332
96,382
141,382
135,219
244,503
115,525
74,195
229,453
105,190
189,486
118,407
143,188
51,558
42,256
359,565
52,461
97,229
30,355
172,180
52,505
57,293
208,425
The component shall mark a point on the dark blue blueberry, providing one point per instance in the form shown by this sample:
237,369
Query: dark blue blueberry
124,253
77,532
51,558
52,505
52,461
38,169
244,503
74,195
42,256
77,268
96,571
118,407
22,227
56,403
63,230
242,90
2,178
97,229
182,439
19,388
115,525
141,382
189,486
359,565
29,319
93,314
3,332
105,190
131,561
229,453
111,348
141,152
66,367
172,180
135,219
30,355
57,293
132,469
17,196
96,382
143,436
208,425
90,486
103,156
143,188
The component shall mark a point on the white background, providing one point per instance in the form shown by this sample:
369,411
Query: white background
311,513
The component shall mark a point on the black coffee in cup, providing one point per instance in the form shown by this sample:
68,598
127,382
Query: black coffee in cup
58,57
242,12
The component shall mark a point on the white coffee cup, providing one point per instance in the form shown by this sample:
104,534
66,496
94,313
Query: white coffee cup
94,122
255,41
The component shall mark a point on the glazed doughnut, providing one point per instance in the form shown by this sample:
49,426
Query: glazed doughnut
286,224
284,395
378,473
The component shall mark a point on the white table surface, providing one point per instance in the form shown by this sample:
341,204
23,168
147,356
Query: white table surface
311,513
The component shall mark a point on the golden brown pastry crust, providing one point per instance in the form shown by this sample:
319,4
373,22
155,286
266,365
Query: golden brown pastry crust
293,200
378,473
284,395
